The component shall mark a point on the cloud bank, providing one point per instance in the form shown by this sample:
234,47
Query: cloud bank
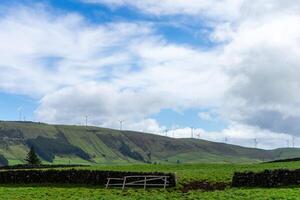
128,70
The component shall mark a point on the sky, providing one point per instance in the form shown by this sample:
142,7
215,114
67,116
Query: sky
224,71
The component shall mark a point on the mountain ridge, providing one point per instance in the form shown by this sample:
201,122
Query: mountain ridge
67,144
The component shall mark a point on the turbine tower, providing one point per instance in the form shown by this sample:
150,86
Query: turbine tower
121,124
192,132
255,143
293,141
86,120
226,139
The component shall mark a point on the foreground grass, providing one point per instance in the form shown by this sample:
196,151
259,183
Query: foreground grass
78,193
185,173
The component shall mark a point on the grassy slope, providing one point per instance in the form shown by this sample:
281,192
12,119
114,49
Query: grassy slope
106,146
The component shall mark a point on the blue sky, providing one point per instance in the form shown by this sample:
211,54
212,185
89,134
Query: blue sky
12,106
227,68
180,32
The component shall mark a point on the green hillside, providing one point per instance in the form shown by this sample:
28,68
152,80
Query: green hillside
62,144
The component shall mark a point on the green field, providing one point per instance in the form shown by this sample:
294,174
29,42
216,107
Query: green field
210,172
185,174
95,193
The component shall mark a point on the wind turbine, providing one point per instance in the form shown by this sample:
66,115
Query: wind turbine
86,120
293,141
121,124
173,133
198,134
226,139
173,129
255,142
166,131
192,132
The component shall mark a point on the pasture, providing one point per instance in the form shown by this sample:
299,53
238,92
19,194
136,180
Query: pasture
185,173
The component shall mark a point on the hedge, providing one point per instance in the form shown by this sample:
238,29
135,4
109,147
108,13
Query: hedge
71,176
267,178
285,160
42,166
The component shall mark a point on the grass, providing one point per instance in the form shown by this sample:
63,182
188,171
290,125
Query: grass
92,193
185,173
203,171
69,159
163,150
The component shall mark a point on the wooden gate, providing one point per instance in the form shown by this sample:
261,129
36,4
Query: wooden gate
149,180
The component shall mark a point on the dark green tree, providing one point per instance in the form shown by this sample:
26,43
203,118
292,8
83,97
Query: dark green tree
32,158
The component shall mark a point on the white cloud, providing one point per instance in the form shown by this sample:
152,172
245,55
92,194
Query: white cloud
210,115
263,63
239,134
31,40
205,116
102,102
146,125
111,72
127,71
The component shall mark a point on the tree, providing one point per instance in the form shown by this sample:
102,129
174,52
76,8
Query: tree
3,161
32,158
